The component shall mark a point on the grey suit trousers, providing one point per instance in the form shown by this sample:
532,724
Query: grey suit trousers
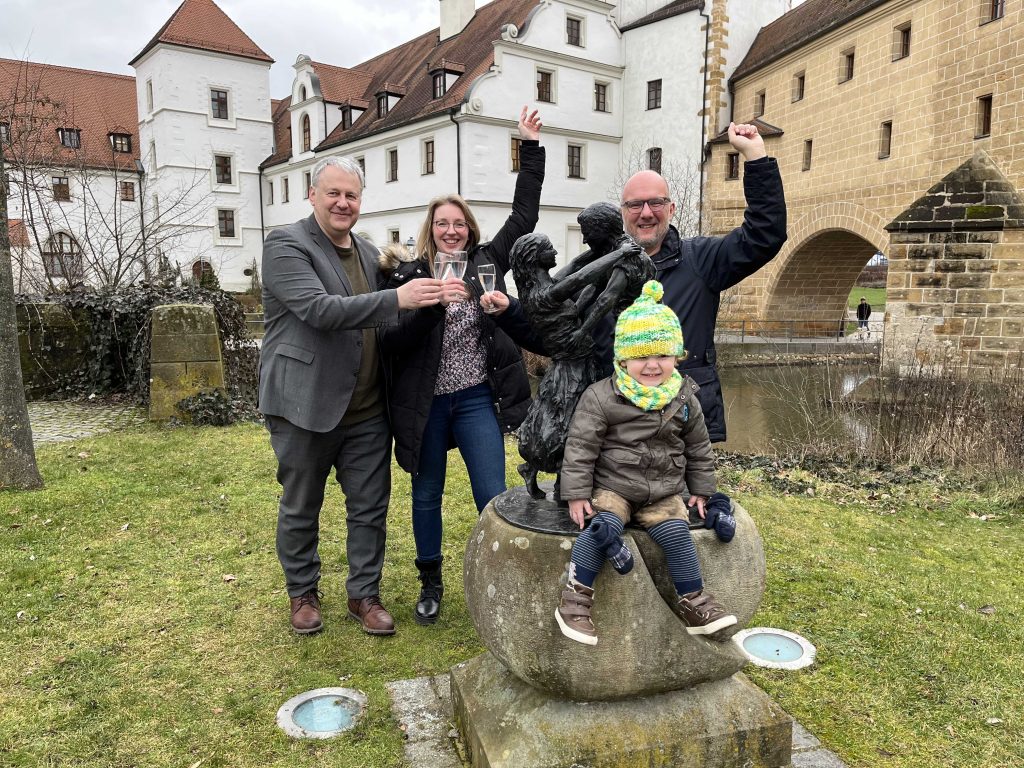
361,457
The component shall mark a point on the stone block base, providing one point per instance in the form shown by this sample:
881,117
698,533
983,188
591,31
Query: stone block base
506,723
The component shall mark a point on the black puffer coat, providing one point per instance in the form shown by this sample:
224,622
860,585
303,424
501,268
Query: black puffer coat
413,347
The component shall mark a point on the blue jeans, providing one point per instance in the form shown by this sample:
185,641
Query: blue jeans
469,416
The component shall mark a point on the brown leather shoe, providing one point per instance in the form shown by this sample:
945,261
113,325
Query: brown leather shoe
374,617
306,613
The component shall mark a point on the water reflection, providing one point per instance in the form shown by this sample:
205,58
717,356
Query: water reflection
783,407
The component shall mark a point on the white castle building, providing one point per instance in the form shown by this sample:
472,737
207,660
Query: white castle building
214,162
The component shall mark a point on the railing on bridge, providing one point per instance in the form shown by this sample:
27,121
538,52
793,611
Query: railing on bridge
789,330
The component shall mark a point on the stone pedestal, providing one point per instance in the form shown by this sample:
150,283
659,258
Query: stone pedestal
185,356
506,723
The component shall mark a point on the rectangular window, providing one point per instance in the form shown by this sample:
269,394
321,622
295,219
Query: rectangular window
428,156
601,97
654,159
885,140
128,191
732,165
759,101
808,149
152,154
440,84
575,158
392,171
218,104
382,105
543,86
517,145
284,189
121,142
799,83
70,137
984,116
394,236
901,42
149,95
61,188
574,31
225,223
270,193
222,166
346,118
996,9
846,59
5,133
654,94
307,182
362,167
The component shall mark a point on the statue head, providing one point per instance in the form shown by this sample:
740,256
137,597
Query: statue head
531,251
600,225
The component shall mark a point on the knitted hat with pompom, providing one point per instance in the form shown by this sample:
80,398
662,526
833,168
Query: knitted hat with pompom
647,328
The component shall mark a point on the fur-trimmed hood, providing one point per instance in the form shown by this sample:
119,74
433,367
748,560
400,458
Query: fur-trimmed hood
392,255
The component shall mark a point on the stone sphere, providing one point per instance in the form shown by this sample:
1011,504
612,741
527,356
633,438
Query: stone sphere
514,576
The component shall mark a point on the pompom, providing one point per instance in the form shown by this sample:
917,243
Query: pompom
653,291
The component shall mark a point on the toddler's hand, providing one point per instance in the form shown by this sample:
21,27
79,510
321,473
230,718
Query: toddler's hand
699,501
580,510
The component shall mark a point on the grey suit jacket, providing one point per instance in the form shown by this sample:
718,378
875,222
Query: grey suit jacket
310,357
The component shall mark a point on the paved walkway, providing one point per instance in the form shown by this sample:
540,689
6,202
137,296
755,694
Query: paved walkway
56,421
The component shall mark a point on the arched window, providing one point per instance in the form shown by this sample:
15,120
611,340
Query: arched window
62,257
305,133
302,93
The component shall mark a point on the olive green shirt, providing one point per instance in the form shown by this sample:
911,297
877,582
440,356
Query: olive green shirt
366,398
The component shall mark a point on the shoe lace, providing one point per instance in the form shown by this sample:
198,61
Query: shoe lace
312,597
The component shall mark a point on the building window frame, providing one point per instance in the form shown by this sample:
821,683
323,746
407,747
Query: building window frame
601,100
847,63
307,183
427,148
760,100
121,142
984,127
270,192
799,86
574,31
808,155
62,257
439,84
284,189
885,140
545,85
382,105
993,10
654,158
220,103
223,169
575,156
901,41
227,224
307,133
362,166
346,118
61,187
732,166
390,164
149,95
654,94
127,191
515,152
70,138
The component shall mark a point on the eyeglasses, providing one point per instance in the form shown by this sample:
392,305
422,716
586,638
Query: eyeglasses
655,204
458,226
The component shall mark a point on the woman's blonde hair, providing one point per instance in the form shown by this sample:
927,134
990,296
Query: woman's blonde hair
425,247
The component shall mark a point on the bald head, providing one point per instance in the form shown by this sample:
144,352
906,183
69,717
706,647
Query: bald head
647,225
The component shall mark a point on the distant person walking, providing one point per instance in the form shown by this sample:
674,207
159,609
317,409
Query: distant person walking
863,313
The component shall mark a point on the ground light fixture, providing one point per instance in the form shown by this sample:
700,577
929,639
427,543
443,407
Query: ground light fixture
775,648
321,713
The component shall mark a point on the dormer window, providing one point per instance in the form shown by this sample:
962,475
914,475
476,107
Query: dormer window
5,133
70,137
443,75
439,85
121,142
382,104
346,118
387,97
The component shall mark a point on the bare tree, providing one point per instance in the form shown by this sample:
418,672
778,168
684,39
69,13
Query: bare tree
682,176
17,455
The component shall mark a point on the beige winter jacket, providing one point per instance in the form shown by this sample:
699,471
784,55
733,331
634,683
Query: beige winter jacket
641,455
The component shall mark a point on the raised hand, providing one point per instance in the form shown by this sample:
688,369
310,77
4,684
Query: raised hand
745,139
529,125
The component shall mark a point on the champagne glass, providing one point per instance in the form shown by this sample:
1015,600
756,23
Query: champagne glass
487,278
457,264
440,265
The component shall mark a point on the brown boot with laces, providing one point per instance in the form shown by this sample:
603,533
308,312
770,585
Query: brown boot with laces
306,613
573,613
702,613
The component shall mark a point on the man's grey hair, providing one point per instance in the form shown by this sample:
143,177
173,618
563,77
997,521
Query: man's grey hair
346,164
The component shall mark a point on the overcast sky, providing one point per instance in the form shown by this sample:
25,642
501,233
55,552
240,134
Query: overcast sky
106,34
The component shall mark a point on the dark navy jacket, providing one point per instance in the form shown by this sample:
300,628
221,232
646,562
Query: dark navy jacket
696,270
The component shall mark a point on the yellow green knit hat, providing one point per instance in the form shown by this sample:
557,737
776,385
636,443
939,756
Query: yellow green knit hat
648,328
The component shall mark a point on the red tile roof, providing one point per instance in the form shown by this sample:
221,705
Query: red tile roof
96,103
339,84
282,132
18,233
202,24
804,23
672,9
406,67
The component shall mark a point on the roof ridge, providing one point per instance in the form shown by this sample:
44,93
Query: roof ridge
24,62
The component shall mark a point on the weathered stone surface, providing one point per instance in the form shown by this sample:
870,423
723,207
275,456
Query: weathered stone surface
185,356
53,342
513,579
506,723
183,320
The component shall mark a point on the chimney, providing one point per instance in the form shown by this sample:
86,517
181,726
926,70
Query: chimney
455,15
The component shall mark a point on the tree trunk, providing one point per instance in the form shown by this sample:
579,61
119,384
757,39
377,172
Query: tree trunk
17,456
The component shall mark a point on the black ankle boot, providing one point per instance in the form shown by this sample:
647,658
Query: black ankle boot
429,605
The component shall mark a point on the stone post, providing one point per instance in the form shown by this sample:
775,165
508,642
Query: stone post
185,356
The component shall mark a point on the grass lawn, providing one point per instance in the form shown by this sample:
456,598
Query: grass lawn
875,297
144,621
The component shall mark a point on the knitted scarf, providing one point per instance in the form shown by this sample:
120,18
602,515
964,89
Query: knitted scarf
644,397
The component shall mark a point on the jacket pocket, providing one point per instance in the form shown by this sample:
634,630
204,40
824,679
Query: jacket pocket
620,456
295,353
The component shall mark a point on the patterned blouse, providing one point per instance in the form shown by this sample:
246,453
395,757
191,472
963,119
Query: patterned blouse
463,353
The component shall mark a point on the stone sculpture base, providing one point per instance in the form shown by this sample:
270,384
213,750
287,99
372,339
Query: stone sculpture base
506,723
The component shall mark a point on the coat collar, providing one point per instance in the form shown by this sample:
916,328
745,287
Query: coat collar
367,255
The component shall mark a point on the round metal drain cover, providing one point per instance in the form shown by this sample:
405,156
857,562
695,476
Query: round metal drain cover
321,713
775,648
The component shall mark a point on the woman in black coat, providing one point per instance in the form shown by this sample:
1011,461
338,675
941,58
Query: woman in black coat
457,376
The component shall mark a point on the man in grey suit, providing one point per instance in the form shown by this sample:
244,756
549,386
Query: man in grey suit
321,391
